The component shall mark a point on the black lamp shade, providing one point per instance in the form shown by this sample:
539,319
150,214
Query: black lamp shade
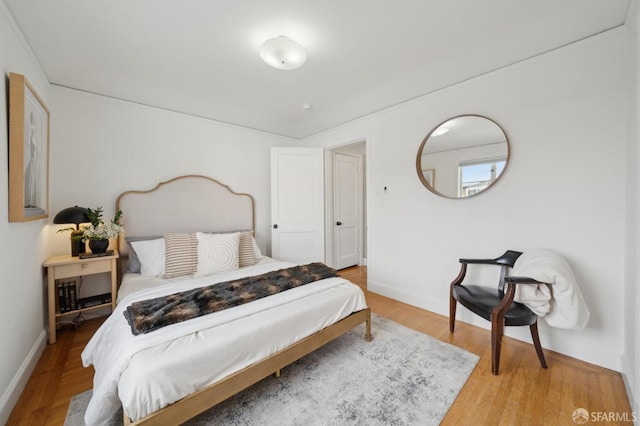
76,215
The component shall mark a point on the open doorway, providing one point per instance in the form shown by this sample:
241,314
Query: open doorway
345,202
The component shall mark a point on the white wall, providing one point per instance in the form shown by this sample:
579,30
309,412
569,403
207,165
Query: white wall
110,146
631,355
22,250
565,114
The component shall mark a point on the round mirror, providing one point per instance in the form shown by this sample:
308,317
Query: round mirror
462,156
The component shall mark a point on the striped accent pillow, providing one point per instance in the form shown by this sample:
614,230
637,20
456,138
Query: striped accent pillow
217,253
246,254
181,254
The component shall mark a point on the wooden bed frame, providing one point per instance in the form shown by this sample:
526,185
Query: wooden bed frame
190,204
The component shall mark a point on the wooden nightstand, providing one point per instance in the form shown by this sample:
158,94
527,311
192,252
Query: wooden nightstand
60,267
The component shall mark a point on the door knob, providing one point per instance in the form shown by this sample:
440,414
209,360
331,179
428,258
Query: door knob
338,223
275,226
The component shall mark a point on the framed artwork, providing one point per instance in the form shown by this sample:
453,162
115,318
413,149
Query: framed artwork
429,176
28,152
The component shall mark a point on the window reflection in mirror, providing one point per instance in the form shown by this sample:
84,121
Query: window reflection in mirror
462,156
476,176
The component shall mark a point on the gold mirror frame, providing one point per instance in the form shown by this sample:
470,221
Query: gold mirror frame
474,140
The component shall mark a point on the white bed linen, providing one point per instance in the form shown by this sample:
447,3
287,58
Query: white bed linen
122,360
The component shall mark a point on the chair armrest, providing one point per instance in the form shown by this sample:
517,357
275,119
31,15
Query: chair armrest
479,261
507,259
522,280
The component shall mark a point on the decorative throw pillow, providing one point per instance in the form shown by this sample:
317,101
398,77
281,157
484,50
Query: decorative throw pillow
217,253
247,254
151,256
181,254
133,264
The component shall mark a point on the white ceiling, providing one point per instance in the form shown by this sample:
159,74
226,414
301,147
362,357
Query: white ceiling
201,56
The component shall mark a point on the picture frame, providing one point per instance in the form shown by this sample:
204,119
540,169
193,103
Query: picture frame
429,176
29,126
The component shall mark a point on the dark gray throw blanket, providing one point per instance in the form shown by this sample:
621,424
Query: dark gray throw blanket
149,315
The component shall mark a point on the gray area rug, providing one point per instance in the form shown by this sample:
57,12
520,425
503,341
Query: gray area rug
402,377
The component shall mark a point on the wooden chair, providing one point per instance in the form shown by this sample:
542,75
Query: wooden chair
495,304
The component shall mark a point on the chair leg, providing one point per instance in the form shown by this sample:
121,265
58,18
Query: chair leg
536,343
497,329
452,313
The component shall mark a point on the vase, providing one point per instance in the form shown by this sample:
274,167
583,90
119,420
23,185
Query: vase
98,246
77,243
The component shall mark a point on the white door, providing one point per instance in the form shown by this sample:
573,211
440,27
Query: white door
347,190
297,204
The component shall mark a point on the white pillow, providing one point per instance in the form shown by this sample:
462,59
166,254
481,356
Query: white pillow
217,253
151,256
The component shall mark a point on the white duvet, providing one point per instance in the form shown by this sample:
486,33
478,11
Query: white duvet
147,372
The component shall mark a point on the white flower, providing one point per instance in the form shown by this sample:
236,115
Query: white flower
103,231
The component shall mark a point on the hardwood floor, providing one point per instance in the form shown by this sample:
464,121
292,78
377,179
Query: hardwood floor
523,393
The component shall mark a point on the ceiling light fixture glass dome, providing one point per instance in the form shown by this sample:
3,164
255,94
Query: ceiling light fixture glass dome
283,53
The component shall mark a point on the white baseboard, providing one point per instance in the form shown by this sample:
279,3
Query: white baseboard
421,301
19,381
631,385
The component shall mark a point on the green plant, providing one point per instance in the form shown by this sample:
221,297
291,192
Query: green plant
95,215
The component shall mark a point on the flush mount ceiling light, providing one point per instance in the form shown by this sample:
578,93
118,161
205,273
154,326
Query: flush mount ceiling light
283,53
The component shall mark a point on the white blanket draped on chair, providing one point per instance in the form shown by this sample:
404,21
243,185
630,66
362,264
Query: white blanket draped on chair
561,303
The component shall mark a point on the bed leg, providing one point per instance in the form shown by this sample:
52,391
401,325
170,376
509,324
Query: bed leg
277,373
125,419
367,334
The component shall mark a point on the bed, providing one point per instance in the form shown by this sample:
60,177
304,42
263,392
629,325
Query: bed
176,372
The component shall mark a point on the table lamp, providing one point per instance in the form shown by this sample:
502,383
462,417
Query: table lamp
76,215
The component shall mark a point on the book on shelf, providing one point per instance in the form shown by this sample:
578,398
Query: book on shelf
67,296
73,304
61,299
